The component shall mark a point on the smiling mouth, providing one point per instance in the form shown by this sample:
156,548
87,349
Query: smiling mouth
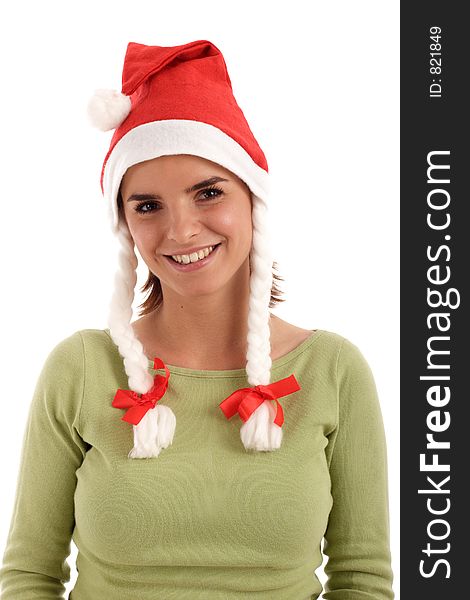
196,265
170,256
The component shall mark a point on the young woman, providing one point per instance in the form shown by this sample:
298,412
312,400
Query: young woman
207,449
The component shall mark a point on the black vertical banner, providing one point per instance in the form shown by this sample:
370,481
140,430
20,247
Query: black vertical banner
435,328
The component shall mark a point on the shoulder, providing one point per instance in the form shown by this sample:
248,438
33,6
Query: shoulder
336,352
66,353
71,353
59,387
81,338
99,350
354,377
351,359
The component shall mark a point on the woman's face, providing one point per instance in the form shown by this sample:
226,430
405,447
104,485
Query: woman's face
180,204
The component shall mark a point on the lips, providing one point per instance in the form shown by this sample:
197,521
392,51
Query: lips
192,250
193,266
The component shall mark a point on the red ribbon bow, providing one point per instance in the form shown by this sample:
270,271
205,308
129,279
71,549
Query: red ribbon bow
139,404
246,400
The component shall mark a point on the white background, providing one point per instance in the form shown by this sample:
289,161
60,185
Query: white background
319,85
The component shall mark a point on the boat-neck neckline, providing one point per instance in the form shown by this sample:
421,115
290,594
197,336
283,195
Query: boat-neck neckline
227,373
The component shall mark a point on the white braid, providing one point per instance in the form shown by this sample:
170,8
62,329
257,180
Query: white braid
260,432
156,429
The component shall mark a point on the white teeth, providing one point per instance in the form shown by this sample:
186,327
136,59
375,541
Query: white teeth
194,257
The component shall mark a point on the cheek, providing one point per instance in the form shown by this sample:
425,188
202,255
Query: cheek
144,236
235,223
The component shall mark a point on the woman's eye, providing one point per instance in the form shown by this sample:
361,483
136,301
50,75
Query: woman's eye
213,192
139,207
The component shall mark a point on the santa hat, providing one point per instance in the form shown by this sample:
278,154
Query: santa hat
179,100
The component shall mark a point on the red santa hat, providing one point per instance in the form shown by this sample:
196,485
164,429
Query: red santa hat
179,100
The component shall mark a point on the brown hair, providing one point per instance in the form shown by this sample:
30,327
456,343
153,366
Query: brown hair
154,288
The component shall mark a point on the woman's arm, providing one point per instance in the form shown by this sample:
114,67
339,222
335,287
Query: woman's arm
42,522
357,536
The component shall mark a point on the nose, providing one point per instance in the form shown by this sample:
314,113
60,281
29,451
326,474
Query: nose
183,224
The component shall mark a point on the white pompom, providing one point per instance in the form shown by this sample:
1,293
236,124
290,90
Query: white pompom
107,109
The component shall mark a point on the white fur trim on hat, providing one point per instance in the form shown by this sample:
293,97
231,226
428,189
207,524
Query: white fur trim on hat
179,136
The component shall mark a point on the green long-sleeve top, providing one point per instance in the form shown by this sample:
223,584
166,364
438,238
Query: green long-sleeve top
206,519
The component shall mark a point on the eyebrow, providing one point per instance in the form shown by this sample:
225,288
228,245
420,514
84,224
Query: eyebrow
193,188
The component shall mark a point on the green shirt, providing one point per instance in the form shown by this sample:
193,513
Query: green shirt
206,519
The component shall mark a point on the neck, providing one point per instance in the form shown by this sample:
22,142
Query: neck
204,330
